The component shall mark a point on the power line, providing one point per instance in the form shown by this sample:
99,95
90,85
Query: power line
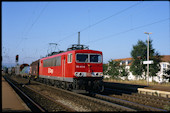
102,20
32,24
29,20
130,30
68,36
111,16
38,17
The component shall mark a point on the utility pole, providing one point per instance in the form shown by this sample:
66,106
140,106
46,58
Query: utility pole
148,58
78,38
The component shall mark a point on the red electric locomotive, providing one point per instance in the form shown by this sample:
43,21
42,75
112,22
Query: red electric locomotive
78,69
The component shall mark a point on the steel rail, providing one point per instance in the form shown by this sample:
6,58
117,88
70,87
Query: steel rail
35,105
129,103
143,97
99,101
91,99
116,103
51,99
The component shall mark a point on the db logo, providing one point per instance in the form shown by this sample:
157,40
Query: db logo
50,70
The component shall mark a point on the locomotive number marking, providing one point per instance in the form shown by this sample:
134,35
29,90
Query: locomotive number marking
50,70
77,66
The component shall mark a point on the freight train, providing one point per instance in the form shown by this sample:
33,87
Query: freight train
77,69
22,70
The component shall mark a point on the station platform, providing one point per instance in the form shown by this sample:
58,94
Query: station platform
11,102
154,92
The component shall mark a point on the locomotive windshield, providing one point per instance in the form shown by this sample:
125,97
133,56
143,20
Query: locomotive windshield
88,58
95,58
82,58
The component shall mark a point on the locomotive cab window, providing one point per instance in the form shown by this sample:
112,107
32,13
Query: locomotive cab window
88,58
96,58
82,58
69,58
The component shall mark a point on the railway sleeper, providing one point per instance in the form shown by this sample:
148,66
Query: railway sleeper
146,100
129,103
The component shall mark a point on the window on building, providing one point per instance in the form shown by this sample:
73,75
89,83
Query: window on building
129,61
168,66
164,71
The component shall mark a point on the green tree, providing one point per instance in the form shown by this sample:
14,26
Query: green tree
116,70
105,67
113,69
167,73
123,71
139,54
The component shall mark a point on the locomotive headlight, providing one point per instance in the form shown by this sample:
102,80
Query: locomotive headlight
80,74
97,74
93,74
76,74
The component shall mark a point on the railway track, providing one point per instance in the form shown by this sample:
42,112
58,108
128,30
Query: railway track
29,102
133,105
146,100
44,102
75,102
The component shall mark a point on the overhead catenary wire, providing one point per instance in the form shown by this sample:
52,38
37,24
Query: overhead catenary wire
102,20
37,17
33,23
29,20
111,16
110,36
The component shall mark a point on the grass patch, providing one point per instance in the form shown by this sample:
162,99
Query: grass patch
137,82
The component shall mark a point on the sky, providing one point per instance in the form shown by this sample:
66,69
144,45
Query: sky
112,27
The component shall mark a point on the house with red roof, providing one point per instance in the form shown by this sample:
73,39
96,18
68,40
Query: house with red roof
164,66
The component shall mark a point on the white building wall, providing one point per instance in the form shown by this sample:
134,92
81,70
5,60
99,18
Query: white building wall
164,67
159,78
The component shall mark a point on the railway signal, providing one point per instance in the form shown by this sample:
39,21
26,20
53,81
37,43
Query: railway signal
17,57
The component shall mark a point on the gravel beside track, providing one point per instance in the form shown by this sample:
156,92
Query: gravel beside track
130,104
74,101
29,102
47,104
129,93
